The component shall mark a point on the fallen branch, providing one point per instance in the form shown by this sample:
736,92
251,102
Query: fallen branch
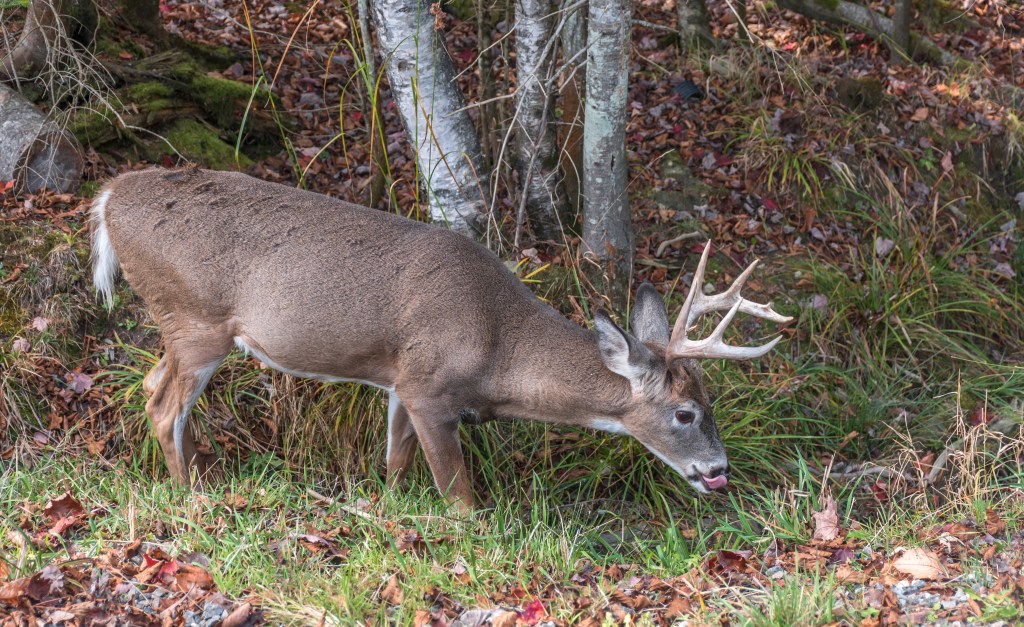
869,21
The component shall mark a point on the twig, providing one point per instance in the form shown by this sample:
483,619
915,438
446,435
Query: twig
1001,426
662,246
326,500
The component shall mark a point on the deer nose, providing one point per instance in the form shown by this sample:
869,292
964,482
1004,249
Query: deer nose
717,478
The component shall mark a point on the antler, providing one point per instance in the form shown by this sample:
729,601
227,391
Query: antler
697,304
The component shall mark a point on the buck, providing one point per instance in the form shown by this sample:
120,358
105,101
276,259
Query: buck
317,287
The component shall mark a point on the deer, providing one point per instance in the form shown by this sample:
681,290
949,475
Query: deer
317,287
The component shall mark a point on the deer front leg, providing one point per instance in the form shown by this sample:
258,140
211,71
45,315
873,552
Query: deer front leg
401,441
438,433
152,379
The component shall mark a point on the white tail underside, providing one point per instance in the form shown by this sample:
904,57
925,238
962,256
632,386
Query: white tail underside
104,259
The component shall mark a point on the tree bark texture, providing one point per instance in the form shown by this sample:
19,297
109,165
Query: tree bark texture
607,230
901,26
423,85
573,39
869,21
49,24
537,156
35,152
692,21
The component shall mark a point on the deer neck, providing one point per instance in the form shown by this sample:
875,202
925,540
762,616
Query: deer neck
556,374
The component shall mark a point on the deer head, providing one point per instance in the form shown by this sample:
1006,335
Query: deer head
670,410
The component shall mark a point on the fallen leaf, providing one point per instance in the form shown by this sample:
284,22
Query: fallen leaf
920,564
994,525
733,561
533,612
947,162
238,616
64,506
846,574
841,556
190,577
920,115
79,383
21,345
47,582
826,522
504,619
883,246
40,323
392,592
678,607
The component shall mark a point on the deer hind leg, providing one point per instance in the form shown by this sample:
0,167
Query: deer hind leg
401,441
438,431
176,387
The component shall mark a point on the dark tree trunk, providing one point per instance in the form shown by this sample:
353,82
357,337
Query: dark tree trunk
901,28
49,24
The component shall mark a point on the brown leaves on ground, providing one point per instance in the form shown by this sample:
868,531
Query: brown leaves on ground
826,522
137,584
920,564
150,589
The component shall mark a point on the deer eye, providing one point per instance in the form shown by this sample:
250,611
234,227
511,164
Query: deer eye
685,416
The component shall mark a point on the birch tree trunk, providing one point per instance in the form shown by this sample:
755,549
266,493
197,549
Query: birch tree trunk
537,157
35,152
692,21
607,230
573,39
423,85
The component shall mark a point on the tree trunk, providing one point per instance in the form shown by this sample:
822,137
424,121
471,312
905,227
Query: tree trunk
378,160
48,24
901,26
537,157
692,21
869,21
607,230
573,39
35,152
424,87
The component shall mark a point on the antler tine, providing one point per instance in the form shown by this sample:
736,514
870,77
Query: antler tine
697,304
683,320
731,296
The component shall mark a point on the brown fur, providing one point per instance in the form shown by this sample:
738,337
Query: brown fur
324,287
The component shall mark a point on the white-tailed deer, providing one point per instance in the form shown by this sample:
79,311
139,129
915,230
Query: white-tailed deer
317,287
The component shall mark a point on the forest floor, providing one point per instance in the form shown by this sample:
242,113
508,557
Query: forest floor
876,454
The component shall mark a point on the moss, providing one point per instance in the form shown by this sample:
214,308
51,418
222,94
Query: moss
201,144
92,126
150,90
88,189
830,4
863,93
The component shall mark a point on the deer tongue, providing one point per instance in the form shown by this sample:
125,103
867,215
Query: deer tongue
713,483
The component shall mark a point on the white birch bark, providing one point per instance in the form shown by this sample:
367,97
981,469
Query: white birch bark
537,159
423,85
607,230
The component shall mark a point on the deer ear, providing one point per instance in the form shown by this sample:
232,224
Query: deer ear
621,353
649,319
